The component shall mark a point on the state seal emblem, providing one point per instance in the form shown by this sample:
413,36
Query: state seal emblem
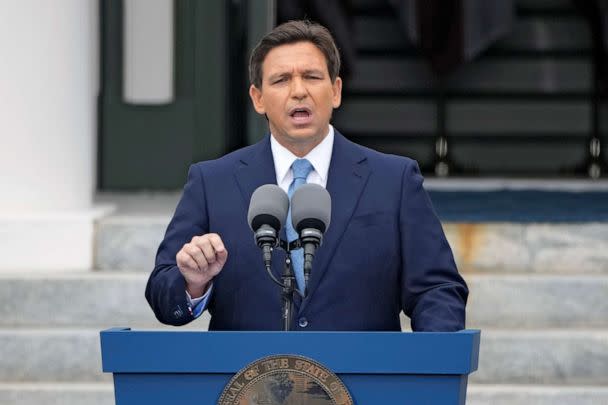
285,380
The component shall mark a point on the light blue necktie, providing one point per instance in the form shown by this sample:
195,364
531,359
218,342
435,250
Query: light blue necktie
301,169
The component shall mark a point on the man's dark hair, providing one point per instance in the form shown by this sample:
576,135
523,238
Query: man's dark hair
290,33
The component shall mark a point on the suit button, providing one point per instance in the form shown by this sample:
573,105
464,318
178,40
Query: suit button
303,322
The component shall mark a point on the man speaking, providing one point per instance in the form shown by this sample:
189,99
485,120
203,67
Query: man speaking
385,251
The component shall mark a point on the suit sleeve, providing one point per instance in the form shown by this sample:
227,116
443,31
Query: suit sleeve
166,288
434,295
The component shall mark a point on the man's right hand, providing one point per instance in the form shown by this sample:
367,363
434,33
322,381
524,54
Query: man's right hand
201,260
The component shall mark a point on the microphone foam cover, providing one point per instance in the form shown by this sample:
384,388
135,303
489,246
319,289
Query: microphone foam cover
310,208
268,206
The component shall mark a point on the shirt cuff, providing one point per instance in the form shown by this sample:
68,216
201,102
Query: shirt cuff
198,305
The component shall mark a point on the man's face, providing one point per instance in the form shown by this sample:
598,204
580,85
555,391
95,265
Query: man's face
297,95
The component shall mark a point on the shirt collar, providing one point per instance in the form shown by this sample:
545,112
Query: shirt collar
319,157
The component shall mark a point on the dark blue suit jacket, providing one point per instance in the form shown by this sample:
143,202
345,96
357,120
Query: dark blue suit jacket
384,251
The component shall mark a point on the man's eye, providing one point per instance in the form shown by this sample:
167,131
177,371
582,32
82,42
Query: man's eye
282,79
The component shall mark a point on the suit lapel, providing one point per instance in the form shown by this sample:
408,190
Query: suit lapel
256,169
348,174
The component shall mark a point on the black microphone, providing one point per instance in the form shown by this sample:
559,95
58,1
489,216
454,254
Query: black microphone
266,216
310,216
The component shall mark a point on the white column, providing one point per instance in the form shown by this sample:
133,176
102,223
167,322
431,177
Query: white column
48,86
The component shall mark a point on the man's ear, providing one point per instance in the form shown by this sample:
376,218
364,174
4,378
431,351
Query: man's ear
257,99
337,91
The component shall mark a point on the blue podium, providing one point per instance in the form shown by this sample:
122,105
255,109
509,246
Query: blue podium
191,367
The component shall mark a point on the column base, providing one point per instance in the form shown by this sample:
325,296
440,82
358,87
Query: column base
50,241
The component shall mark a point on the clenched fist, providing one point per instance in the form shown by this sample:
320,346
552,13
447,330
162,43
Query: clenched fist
201,260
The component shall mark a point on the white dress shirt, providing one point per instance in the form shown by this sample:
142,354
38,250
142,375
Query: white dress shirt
319,158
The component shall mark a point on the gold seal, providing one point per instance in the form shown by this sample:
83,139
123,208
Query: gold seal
285,380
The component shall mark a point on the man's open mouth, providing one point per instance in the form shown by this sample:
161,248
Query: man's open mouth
301,115
300,112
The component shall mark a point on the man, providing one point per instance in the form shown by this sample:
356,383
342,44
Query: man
384,252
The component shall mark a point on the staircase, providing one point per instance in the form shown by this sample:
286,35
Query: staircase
538,293
50,323
528,95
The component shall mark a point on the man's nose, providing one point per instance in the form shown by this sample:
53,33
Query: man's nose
298,89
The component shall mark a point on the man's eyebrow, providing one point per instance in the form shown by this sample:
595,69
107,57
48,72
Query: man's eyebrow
289,74
278,75
315,71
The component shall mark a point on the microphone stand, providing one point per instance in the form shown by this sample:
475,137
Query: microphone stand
288,284
287,294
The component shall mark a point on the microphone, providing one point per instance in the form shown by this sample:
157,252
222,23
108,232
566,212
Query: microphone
310,216
266,216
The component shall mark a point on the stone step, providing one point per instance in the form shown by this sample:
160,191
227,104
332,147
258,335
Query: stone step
129,243
100,300
103,394
128,239
556,357
537,301
506,357
50,355
478,394
57,393
529,247
103,300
